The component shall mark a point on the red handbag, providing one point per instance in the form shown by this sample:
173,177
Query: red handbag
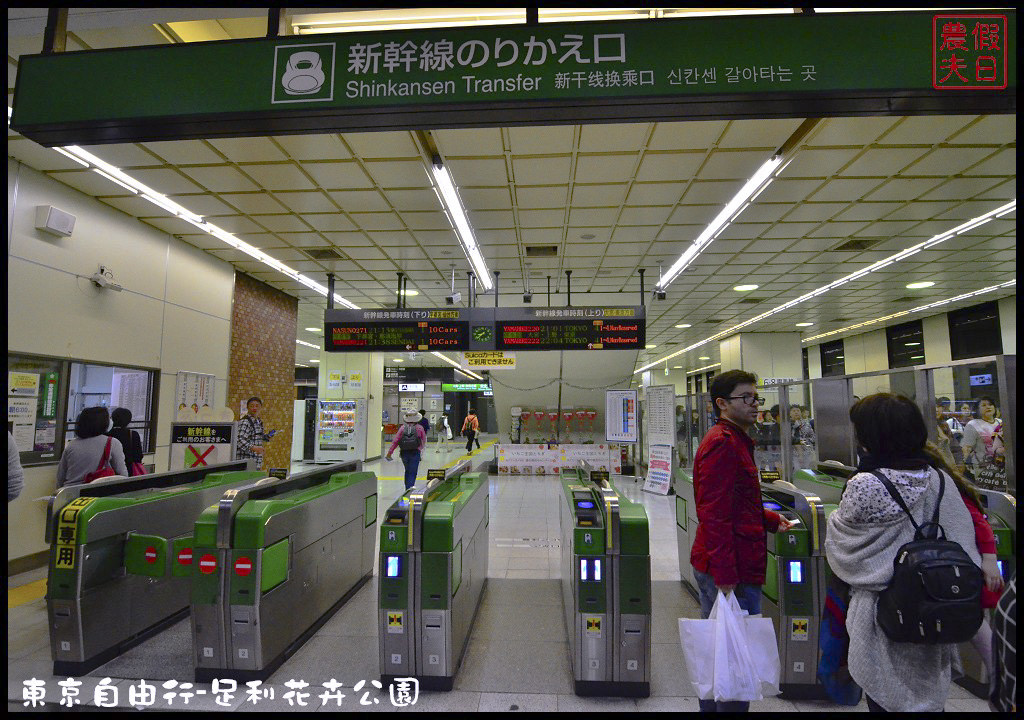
103,469
136,468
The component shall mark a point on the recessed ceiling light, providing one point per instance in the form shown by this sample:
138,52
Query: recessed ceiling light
316,330
911,344
409,293
587,236
314,361
917,357
804,324
684,325
746,288
919,285
397,360
704,358
839,357
650,347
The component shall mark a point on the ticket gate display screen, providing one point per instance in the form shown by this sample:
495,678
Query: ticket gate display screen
393,566
590,569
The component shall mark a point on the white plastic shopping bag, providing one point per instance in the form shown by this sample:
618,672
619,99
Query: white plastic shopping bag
720,651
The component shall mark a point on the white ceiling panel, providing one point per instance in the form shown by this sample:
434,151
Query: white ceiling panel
732,165
329,221
535,198
820,163
686,135
313,147
282,223
469,142
36,156
92,184
303,201
926,129
609,195
884,162
541,171
487,172
204,205
902,189
382,145
486,198
767,134
338,175
668,167
360,200
220,179
541,218
839,190
714,192
248,149
614,137
948,161
1003,163
850,131
123,155
603,168
285,176
644,215
377,221
426,220
541,140
788,191
491,218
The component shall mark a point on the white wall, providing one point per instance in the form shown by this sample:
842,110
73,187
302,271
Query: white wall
1008,324
173,315
371,367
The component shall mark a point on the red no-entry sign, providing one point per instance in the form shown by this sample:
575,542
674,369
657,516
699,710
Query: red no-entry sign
243,566
207,564
150,554
185,556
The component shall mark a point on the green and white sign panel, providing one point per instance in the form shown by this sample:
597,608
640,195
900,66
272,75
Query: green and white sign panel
754,66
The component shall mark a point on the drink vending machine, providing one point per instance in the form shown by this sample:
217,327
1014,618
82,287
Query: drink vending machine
340,430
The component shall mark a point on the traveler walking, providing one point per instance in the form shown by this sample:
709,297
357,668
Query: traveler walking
863,539
130,441
410,441
730,551
250,433
444,431
470,429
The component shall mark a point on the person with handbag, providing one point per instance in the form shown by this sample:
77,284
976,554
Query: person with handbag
91,455
130,441
894,505
444,432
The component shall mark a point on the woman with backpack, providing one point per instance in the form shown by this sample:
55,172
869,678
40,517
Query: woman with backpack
410,441
470,430
130,440
873,539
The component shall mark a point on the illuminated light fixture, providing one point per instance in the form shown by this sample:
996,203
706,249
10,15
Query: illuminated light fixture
452,203
919,285
408,293
314,361
316,330
804,324
677,367
929,306
121,178
753,187
746,288
397,360
303,342
684,325
706,367
902,255
911,344
917,357
650,347
455,365
703,358
301,365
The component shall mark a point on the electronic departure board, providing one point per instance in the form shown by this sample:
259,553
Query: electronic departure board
570,334
396,336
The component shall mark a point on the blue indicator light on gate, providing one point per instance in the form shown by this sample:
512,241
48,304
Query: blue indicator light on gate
796,571
583,569
597,570
585,504
999,564
393,567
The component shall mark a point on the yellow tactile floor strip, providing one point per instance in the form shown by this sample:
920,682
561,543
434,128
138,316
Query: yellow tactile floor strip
24,594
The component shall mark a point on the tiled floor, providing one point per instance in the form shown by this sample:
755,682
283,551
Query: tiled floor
516,659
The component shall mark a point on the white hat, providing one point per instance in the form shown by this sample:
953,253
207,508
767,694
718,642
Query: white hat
412,417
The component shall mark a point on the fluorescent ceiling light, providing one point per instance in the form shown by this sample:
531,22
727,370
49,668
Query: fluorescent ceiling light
677,367
746,288
397,360
457,215
684,325
917,357
902,255
703,358
454,364
911,344
650,347
66,154
316,330
303,342
747,194
314,361
804,324
301,365
706,367
929,306
408,293
919,285
113,179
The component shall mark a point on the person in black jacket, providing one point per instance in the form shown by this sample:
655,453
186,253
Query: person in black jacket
129,439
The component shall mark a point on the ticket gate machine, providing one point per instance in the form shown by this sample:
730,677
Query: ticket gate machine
827,482
274,560
434,551
796,576
1001,510
606,587
119,554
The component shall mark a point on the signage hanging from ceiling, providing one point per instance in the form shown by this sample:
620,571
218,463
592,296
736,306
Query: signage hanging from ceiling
791,65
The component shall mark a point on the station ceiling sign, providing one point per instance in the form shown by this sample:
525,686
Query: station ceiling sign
667,69
484,330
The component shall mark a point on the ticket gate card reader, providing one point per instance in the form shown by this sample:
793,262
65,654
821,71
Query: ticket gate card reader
115,550
275,560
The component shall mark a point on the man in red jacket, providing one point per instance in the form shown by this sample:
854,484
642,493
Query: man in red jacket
730,551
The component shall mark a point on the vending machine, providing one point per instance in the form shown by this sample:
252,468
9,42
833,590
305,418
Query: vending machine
340,430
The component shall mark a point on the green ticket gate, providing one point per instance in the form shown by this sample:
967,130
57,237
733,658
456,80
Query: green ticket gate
827,482
796,577
606,586
117,550
273,561
434,549
1001,510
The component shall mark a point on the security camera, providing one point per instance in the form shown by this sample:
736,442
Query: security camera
528,297
660,294
103,282
453,298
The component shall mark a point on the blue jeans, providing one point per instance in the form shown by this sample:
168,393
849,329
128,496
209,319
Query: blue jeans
749,598
411,460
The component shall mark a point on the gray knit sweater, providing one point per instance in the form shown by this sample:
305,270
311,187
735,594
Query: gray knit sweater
863,536
82,456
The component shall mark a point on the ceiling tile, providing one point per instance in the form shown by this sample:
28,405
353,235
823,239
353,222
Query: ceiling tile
788,191
902,189
819,163
948,161
850,131
281,223
652,193
410,200
338,175
541,171
541,218
541,140
126,155
686,135
313,147
989,129
613,137
712,192
426,220
486,198
238,224
1003,162
248,149
644,215
93,184
491,218
610,195
603,168
845,190
883,162
666,167
185,152
818,212
734,165
489,172
925,129
767,134
38,157
534,198
592,217
204,204
377,221
254,203
397,144
868,210
360,200
694,214
220,179
328,221
463,142
398,173
306,201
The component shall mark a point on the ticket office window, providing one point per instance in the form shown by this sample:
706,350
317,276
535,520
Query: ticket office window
36,390
905,344
833,361
113,386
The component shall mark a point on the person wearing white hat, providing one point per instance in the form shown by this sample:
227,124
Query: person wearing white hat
410,440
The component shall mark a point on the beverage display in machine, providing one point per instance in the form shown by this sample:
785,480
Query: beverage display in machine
341,430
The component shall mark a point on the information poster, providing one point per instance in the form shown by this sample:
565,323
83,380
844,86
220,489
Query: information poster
620,418
659,470
492,359
21,414
201,444
193,392
355,381
661,413
22,384
552,459
130,389
334,381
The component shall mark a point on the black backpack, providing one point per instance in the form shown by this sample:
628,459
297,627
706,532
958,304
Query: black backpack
934,596
409,439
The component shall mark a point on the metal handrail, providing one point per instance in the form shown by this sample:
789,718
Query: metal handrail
233,500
